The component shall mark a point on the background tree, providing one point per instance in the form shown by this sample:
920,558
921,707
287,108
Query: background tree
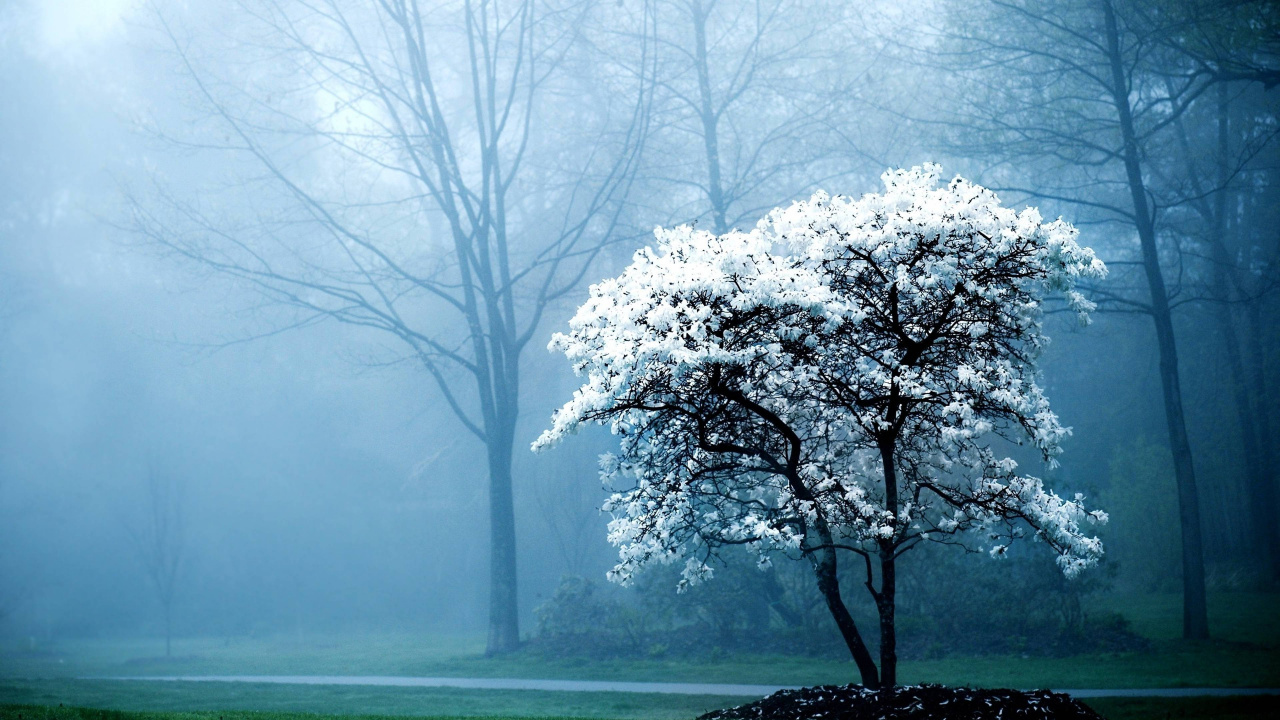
159,543
752,106
1077,103
840,397
1233,277
411,170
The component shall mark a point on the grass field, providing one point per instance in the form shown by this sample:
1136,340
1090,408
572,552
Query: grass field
1244,653
356,700
1243,708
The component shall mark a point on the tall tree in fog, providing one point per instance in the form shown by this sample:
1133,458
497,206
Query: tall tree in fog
1078,102
1224,163
753,104
1227,142
440,173
158,542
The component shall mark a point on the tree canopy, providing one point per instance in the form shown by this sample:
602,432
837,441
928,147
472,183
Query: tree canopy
839,378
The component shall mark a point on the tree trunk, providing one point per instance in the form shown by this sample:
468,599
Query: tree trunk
1195,620
886,605
1262,426
504,619
710,121
1263,509
887,598
823,559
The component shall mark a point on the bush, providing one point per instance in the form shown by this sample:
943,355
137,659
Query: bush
950,603
581,619
962,604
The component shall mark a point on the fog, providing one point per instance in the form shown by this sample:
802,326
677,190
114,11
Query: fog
163,164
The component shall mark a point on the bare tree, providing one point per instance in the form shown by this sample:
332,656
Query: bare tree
753,105
434,173
1077,103
159,543
1239,276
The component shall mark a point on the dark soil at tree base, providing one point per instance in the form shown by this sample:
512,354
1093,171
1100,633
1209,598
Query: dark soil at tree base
918,702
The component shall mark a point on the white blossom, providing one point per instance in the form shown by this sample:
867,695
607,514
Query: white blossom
755,379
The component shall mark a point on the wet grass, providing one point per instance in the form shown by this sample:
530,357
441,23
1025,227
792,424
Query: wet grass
171,697
1168,664
36,712
1244,653
1237,708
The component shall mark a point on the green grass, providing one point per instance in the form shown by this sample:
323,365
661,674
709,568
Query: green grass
1244,653
141,696
1233,617
41,712
1238,708
1168,664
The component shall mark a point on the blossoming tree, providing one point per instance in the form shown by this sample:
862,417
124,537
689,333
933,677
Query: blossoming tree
838,380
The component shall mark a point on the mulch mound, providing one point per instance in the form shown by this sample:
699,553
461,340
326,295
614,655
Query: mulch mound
918,702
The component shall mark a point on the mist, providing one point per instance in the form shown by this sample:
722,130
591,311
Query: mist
242,388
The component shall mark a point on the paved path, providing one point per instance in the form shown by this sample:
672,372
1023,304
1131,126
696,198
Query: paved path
630,687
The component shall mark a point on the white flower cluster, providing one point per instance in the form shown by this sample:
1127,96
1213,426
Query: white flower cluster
769,383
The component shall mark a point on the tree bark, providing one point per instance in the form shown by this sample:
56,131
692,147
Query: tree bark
710,121
1263,509
887,598
1195,622
823,559
1261,393
504,619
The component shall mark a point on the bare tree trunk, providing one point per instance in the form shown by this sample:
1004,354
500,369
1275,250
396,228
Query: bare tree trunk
1261,425
823,559
1262,496
1262,500
1195,620
710,121
504,620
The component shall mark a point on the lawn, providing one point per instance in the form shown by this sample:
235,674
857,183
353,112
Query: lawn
357,700
1244,653
1168,664
1242,708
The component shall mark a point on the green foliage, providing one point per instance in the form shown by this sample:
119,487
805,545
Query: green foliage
585,619
950,603
956,603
